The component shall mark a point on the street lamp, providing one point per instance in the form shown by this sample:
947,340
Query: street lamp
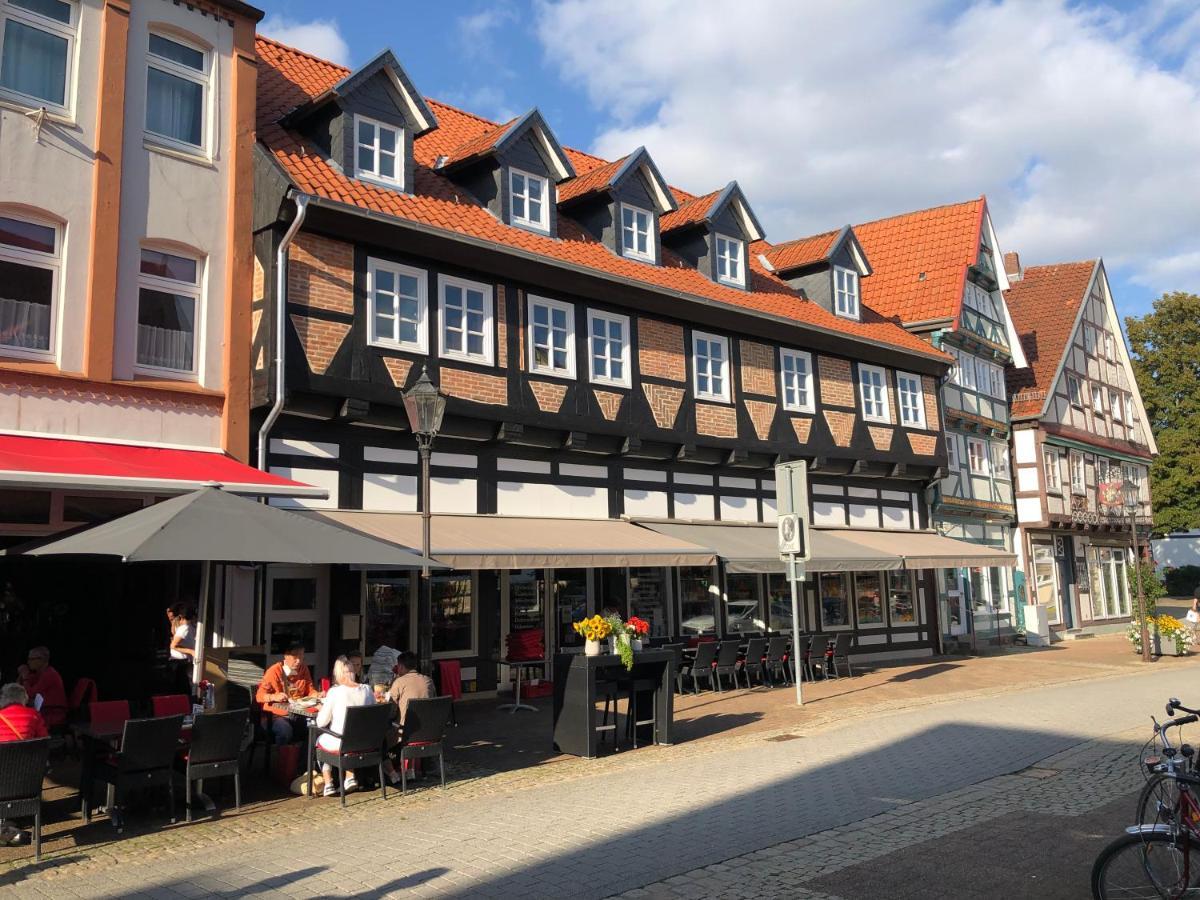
425,408
1132,504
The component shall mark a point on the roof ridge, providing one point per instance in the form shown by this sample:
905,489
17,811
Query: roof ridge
325,62
1077,262
917,212
807,237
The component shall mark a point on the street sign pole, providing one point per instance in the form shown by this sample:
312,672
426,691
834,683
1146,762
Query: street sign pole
791,493
795,576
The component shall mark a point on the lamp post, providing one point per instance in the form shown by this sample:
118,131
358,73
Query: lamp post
1132,502
425,408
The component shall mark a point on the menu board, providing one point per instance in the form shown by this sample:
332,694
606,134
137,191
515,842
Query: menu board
647,598
524,601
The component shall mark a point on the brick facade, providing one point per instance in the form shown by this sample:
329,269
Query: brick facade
664,403
549,395
660,350
803,428
398,370
922,444
609,403
837,388
758,368
501,328
320,340
893,409
762,417
475,386
716,421
841,426
321,273
929,391
881,437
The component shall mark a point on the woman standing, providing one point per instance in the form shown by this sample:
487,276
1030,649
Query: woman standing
346,692
1193,615
182,619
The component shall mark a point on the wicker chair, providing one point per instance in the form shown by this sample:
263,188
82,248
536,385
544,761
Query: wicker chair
363,743
22,768
215,751
423,734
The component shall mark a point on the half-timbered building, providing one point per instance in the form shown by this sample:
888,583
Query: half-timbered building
1081,446
624,366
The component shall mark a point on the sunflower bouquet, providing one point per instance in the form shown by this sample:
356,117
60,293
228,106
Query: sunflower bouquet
593,629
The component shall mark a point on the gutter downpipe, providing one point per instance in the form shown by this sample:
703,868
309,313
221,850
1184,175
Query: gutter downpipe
301,201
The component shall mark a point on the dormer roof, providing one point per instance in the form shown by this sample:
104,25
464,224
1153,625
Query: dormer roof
702,210
818,248
419,117
496,140
607,177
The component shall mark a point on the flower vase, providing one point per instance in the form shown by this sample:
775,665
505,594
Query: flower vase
637,644
591,648
612,644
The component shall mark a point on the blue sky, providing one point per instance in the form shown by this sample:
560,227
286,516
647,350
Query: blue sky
1081,122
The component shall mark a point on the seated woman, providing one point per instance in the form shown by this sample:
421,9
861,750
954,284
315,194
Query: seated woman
346,692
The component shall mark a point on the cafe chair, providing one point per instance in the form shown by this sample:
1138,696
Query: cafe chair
108,712
146,759
776,662
841,652
363,744
702,665
726,664
215,751
22,768
680,664
423,734
756,651
171,705
801,668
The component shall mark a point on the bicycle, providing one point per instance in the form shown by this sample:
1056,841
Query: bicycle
1159,796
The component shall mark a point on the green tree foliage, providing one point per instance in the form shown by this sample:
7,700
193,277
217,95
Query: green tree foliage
1166,361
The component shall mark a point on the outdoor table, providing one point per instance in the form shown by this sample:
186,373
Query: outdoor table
575,697
519,665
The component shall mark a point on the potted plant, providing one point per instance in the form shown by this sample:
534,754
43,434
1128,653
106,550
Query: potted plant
640,629
594,630
621,640
1174,636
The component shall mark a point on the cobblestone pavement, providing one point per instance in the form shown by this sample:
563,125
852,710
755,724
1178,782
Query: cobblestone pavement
760,817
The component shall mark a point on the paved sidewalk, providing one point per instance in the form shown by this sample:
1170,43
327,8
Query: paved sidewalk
641,819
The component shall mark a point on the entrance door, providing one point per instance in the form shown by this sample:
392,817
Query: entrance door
955,600
1045,573
298,612
522,603
572,590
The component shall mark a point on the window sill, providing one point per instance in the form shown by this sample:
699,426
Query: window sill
552,373
543,230
378,181
729,282
803,410
55,114
401,348
196,157
174,380
876,420
704,398
465,358
622,385
11,361
637,257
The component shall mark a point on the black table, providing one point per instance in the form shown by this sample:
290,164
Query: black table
575,697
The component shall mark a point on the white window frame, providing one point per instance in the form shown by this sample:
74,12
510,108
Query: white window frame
1001,465
791,398
966,370
1097,399
632,252
1078,466
918,406
722,244
373,174
626,380
52,262
568,371
1074,391
1115,406
951,451
488,356
884,414
726,368
1050,470
1110,344
421,345
68,31
171,286
983,455
203,78
543,222
845,292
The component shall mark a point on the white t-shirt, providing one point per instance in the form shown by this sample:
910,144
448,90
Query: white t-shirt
186,632
333,710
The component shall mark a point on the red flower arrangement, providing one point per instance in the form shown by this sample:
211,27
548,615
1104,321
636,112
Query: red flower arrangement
640,627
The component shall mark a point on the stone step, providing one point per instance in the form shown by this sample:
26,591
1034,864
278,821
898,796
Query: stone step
1077,634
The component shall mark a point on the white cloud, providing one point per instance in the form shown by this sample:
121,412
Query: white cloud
828,113
320,37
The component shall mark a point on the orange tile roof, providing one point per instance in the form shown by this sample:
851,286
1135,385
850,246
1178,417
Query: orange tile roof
691,211
1044,306
478,146
800,252
290,77
595,180
919,260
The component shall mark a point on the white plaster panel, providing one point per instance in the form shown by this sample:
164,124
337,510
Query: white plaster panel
828,490
863,516
388,455
828,514
768,484
770,510
896,518
695,506
862,492
739,509
1029,509
454,460
651,504
1028,478
572,470
532,466
322,478
646,475
389,493
1025,446
319,449
569,501
690,478
746,484
865,639
902,496
454,495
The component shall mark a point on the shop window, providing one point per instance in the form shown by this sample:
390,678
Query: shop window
648,597
19,507
779,604
742,607
834,601
29,273
696,601
37,50
902,607
84,508
168,306
390,611
453,614
868,600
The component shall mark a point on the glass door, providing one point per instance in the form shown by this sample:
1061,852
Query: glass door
743,609
298,612
390,613
955,602
649,599
1045,574
524,609
572,602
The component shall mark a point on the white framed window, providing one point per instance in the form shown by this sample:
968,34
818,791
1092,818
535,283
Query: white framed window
977,456
796,374
1114,404
397,306
1089,340
912,400
378,151
951,451
997,382
1078,473
966,370
169,287
730,268
872,388
1050,469
37,48
465,320
845,292
710,363
177,89
551,337
1074,391
1110,352
529,200
1131,408
608,348
1097,399
30,266
637,233
1000,467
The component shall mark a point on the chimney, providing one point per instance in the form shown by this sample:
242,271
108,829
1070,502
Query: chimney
1012,265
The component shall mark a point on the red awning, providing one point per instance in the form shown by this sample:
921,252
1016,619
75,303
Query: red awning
53,462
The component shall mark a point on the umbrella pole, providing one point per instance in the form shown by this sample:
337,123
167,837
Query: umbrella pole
206,578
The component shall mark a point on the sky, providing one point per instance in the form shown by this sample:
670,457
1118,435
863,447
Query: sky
1079,121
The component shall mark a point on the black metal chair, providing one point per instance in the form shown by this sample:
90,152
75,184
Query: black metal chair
216,751
634,688
22,768
702,665
727,663
423,733
146,759
363,743
756,650
817,654
800,663
776,662
841,651
680,664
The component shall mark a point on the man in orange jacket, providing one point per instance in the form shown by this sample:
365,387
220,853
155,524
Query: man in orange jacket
282,682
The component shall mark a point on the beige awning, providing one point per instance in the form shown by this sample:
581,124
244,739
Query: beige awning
927,550
517,542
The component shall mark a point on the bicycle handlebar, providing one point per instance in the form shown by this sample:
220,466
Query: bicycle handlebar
1177,723
1173,704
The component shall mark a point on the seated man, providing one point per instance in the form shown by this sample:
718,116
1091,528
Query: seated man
39,677
356,666
284,681
410,684
18,722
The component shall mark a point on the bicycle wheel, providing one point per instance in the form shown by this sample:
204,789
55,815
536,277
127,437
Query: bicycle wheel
1138,866
1158,801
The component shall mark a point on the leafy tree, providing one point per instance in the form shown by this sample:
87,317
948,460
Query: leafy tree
1166,362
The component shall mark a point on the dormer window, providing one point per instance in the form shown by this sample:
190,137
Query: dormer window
729,261
637,239
378,151
527,200
845,289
